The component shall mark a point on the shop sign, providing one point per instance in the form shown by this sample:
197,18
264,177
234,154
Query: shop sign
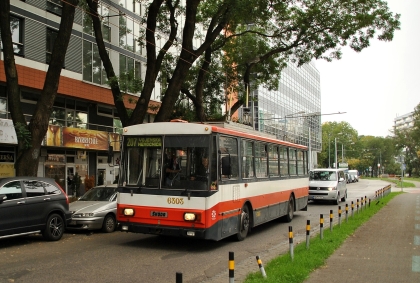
86,139
7,132
8,157
7,170
56,158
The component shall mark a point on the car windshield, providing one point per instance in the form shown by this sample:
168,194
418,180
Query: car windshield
322,176
99,194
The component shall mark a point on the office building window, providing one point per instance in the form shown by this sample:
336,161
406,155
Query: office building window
51,37
103,11
16,27
93,70
129,32
55,7
130,74
3,102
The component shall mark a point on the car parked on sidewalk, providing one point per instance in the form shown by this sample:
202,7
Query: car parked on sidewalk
31,205
96,209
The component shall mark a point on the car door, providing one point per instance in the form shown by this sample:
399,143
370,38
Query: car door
36,203
12,209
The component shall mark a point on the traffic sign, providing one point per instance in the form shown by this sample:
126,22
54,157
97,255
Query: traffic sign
403,167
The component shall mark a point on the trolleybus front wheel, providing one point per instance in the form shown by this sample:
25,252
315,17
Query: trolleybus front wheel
244,222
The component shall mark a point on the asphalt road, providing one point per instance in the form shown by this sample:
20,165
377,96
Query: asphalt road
122,257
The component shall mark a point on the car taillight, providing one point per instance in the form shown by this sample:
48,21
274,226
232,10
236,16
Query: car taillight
64,192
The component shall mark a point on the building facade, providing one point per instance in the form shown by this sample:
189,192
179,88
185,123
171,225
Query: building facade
84,121
405,121
293,111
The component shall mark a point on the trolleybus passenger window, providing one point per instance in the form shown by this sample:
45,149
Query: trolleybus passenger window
247,159
292,162
300,163
284,167
228,148
260,160
273,161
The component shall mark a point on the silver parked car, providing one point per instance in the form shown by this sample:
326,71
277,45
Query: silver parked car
95,210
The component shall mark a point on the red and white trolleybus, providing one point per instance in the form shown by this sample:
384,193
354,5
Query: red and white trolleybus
208,181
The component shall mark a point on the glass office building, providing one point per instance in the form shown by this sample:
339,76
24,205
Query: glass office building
292,112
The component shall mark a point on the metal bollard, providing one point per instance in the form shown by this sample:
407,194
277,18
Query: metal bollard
369,202
321,226
331,220
260,265
308,230
347,212
231,267
352,208
357,206
291,242
178,277
339,216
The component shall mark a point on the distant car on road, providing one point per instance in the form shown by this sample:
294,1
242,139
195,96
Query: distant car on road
95,210
327,185
31,205
355,174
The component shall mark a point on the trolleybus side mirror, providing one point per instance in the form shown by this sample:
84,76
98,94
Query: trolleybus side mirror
110,154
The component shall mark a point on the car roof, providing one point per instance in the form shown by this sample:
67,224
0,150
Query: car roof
328,169
28,178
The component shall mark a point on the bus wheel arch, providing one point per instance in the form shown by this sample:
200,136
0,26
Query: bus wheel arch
245,221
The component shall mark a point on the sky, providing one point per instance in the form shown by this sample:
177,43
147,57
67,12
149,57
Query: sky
379,83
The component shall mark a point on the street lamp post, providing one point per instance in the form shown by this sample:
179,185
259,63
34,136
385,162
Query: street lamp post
335,142
329,151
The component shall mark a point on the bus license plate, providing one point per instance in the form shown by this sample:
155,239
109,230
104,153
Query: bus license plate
158,214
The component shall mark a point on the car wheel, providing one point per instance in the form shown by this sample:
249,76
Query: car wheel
244,222
55,228
290,210
345,196
109,224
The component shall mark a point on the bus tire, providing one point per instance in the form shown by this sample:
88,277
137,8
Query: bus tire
244,222
290,210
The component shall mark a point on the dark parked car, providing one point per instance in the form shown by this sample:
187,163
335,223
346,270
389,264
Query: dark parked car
96,209
30,205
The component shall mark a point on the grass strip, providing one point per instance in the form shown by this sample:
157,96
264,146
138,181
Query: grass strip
283,269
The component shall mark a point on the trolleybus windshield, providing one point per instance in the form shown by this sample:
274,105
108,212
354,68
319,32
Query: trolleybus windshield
170,162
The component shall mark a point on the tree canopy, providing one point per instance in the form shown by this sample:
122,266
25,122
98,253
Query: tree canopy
215,45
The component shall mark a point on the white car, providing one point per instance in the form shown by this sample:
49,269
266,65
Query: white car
96,209
328,185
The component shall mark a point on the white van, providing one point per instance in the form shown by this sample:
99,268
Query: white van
327,184
355,174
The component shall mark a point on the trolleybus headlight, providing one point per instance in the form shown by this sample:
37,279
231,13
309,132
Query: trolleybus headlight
188,216
128,211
